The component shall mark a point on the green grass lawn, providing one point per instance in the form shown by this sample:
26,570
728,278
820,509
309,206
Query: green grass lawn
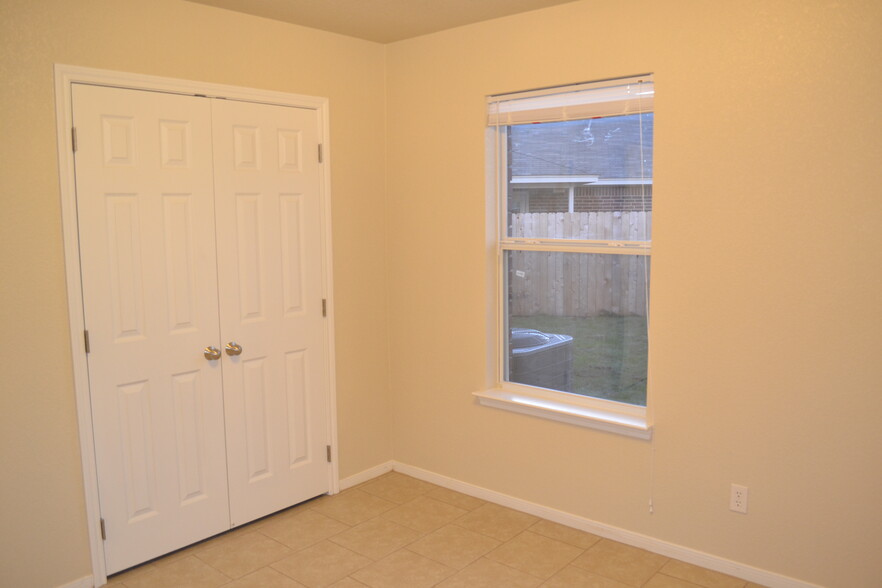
609,353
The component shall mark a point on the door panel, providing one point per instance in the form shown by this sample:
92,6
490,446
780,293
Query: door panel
146,206
270,283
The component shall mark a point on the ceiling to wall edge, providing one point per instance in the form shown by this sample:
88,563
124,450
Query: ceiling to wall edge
381,21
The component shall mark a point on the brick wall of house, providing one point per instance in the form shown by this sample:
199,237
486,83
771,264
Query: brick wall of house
612,198
548,201
592,199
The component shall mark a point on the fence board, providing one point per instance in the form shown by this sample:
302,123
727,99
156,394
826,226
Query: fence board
579,284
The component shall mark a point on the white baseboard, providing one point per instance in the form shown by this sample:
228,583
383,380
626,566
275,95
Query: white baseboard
84,582
705,560
368,474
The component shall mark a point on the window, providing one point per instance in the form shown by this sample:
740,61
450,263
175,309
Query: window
572,181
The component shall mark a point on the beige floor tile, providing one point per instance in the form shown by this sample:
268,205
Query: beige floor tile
424,514
194,549
242,554
463,501
348,583
396,487
403,569
353,506
376,538
662,581
573,577
321,564
188,551
566,534
265,578
188,572
454,546
262,522
621,562
305,528
535,554
319,500
485,573
496,521
210,543
131,574
701,576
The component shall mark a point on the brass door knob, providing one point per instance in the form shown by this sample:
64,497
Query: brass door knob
211,353
233,348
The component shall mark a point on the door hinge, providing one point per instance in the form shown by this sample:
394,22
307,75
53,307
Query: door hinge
329,453
103,531
86,341
73,138
321,157
324,307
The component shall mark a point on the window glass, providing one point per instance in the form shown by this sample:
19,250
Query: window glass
576,323
593,165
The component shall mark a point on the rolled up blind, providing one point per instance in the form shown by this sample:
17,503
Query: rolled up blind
616,97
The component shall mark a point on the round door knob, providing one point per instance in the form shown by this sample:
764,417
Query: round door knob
211,353
233,348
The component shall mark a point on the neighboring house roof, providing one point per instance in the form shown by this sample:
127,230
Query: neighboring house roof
608,148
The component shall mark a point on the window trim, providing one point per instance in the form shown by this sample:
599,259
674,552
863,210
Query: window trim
593,413
585,411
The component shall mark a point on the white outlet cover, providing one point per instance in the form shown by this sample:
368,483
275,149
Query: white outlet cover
738,498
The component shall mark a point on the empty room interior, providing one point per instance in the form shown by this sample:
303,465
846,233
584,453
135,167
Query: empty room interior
764,346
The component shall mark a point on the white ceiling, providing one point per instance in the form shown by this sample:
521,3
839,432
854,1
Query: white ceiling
383,21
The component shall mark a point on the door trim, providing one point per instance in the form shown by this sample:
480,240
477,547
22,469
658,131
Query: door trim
65,77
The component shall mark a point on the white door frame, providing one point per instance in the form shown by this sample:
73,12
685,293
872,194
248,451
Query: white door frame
65,76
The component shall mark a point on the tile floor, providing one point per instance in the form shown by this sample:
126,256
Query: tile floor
399,532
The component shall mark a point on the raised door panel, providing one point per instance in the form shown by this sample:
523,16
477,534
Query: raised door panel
145,207
270,282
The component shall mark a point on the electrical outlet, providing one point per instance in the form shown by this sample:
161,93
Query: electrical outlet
738,498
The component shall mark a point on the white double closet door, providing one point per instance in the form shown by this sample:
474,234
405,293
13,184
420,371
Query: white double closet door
200,230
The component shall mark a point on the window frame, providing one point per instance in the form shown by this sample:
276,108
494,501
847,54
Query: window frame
586,411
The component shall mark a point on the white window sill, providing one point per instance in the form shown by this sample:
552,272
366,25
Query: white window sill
612,417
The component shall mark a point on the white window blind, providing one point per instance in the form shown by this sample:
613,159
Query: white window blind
616,97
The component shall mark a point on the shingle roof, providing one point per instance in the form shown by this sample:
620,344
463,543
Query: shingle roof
606,147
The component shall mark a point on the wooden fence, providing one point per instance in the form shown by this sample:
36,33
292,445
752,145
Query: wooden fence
579,284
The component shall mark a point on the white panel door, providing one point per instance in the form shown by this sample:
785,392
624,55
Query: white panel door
267,184
147,242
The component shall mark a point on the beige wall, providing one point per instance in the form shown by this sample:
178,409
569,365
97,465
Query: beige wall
765,336
43,541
